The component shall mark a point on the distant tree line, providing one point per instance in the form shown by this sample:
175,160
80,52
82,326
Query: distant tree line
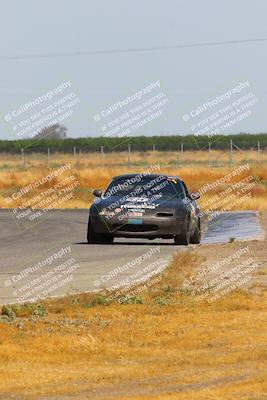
137,143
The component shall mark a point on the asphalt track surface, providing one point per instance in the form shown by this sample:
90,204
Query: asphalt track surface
51,257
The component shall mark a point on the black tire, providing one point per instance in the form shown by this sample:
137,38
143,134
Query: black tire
106,239
98,238
196,237
91,236
184,237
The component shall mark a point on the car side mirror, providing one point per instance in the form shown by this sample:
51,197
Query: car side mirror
97,192
194,196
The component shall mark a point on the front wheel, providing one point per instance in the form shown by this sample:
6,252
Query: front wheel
184,237
98,238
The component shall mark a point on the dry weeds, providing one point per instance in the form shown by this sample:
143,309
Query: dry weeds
94,171
139,351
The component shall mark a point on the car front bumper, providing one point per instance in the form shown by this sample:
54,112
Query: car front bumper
150,226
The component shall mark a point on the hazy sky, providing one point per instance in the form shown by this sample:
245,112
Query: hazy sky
188,76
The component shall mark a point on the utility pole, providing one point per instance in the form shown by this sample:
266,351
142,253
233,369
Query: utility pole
182,152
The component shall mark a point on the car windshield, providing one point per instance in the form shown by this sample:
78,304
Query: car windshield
146,187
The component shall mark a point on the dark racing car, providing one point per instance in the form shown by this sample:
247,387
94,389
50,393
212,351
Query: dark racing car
145,206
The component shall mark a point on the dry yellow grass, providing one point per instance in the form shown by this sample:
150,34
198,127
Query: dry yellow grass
93,171
169,344
198,351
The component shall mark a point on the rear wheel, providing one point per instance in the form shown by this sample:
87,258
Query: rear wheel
184,237
196,237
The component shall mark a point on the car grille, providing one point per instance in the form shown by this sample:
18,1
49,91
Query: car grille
136,228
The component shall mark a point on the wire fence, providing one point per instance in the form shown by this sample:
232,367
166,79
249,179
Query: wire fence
131,156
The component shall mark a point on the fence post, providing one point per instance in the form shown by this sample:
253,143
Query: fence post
259,151
102,154
48,156
231,152
182,152
209,154
129,155
22,157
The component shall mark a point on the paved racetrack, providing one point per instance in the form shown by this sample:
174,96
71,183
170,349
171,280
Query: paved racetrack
51,256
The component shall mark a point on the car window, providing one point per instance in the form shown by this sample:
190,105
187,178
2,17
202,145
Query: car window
161,186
